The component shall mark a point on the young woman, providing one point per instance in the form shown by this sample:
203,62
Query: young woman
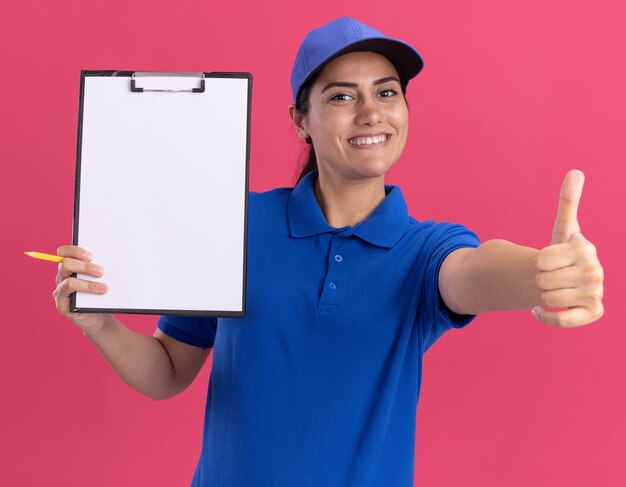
318,384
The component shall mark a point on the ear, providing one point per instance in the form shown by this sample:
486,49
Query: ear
298,122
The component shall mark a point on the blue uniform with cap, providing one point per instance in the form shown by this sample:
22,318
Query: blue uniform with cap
318,384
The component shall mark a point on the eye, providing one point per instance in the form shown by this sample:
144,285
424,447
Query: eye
393,93
337,96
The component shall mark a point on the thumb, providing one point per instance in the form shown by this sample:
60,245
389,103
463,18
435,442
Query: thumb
566,224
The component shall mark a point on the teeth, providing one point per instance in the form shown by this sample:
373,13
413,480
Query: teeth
368,140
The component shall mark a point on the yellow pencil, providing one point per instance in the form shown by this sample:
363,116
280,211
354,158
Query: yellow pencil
39,255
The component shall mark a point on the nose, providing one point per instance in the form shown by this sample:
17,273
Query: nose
368,111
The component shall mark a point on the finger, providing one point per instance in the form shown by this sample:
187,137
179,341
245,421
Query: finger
74,252
566,223
589,282
562,278
72,284
556,256
568,298
569,318
71,266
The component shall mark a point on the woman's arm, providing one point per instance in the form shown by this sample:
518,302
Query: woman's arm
501,275
157,366
498,275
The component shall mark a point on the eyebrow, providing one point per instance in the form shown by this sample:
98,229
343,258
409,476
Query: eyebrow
345,84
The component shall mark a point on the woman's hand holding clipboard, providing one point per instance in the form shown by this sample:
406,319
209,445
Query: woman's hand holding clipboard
78,260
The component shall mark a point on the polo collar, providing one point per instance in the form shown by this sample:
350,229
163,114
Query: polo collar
383,227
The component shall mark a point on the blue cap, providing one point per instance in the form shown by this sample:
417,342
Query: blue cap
344,35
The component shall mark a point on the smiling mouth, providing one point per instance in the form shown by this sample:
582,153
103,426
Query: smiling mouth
369,141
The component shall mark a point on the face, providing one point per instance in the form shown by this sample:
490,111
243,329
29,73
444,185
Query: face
357,118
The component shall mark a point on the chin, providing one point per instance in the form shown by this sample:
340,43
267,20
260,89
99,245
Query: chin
360,173
375,168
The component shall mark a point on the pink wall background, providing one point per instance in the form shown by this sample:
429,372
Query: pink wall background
513,95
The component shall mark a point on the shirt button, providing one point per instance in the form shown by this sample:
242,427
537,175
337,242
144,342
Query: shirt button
332,285
338,258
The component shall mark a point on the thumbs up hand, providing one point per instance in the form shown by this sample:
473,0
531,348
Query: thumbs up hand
568,271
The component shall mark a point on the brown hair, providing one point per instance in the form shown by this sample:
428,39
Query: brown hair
302,107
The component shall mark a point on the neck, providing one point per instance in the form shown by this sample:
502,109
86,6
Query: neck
348,202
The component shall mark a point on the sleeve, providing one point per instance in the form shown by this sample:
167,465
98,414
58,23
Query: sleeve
436,318
198,331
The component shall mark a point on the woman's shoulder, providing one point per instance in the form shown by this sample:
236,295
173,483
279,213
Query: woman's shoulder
426,225
272,196
439,230
271,193
268,202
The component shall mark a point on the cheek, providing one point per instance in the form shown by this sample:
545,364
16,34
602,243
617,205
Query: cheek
332,128
401,117
401,124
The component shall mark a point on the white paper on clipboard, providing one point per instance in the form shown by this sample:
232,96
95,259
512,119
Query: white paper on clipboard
161,192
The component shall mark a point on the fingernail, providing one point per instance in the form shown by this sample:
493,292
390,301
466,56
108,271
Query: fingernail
100,286
88,256
98,270
535,312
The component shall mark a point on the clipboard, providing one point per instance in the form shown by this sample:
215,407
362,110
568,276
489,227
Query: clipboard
161,191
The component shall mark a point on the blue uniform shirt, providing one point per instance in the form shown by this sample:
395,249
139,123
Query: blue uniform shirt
318,384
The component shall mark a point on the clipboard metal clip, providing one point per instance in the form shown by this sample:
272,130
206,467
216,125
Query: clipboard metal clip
146,75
